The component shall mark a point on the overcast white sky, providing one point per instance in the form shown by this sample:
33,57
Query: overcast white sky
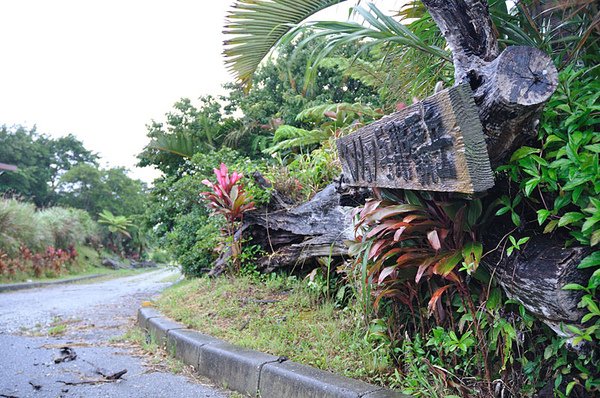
102,70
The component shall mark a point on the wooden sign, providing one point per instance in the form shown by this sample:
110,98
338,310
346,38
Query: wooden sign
434,145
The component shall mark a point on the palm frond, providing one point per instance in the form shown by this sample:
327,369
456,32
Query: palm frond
564,29
255,27
181,143
377,30
341,111
287,137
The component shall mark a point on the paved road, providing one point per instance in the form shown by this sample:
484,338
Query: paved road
94,315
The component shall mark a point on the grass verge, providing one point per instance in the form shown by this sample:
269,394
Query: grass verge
279,315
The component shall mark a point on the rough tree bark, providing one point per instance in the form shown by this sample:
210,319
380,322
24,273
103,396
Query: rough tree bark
510,89
535,275
294,236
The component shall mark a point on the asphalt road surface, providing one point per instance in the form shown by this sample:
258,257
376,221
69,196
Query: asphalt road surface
94,316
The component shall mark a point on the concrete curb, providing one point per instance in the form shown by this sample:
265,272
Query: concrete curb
31,285
251,372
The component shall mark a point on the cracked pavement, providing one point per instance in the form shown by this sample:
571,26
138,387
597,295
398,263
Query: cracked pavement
94,316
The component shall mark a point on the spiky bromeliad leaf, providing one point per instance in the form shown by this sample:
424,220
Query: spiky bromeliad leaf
255,27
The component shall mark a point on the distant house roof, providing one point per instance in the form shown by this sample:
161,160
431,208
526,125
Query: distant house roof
8,167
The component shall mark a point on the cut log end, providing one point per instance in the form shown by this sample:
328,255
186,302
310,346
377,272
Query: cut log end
526,76
510,93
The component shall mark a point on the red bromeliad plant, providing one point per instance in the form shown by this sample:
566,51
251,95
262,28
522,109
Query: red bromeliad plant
229,199
403,240
413,245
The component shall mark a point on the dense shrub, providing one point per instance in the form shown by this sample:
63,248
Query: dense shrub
22,226
40,242
66,227
18,227
183,225
195,241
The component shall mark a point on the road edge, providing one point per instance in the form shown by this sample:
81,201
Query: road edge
249,372
8,287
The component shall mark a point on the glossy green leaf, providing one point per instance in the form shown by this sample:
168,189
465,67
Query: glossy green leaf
593,260
523,152
570,218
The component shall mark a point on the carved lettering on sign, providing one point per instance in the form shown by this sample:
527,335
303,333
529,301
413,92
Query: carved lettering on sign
421,147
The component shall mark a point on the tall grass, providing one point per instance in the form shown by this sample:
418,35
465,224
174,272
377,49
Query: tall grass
18,226
65,227
21,225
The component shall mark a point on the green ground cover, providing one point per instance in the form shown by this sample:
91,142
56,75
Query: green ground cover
278,315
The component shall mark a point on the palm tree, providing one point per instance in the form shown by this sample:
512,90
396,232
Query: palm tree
116,225
256,27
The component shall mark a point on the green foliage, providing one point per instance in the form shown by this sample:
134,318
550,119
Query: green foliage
566,30
327,120
558,189
377,30
255,28
66,227
417,263
561,173
115,224
306,173
187,130
18,226
287,137
93,189
181,223
510,206
41,161
515,244
22,226
195,241
40,243
160,256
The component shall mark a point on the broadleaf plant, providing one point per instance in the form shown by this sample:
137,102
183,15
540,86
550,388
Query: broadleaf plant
229,199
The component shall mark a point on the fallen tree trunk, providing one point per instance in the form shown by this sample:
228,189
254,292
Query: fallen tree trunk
295,236
536,274
317,228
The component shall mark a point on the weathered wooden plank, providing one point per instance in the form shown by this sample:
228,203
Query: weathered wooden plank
434,145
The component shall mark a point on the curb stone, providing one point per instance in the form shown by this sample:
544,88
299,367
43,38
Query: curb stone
31,285
159,327
185,344
144,314
251,372
289,379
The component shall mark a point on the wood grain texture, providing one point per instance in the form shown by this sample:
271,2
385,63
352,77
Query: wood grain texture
434,145
467,27
513,90
536,275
